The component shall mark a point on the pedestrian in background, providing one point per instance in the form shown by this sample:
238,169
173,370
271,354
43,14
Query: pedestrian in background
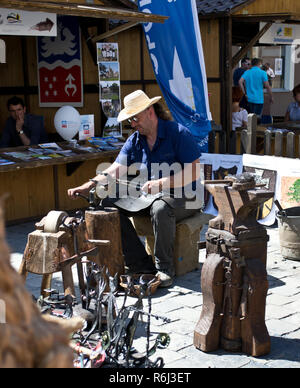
252,83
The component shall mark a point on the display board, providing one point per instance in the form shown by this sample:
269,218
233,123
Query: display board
60,66
110,86
24,23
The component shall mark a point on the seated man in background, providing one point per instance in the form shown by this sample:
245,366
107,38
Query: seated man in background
21,128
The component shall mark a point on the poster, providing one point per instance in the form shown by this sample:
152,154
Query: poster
109,86
87,127
278,66
60,66
287,187
24,23
268,178
218,166
290,191
280,33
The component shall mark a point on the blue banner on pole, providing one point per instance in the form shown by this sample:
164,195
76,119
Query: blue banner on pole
176,53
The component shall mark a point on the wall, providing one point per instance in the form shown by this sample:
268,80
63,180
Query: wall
273,7
136,72
133,71
211,48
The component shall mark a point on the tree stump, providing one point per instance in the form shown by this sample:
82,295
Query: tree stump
105,225
26,339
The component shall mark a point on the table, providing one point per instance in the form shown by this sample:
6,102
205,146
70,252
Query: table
36,187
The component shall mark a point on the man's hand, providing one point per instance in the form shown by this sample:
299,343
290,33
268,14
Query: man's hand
152,187
20,121
84,190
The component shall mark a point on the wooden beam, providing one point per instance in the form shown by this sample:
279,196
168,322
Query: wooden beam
89,43
119,3
82,10
115,31
266,17
247,47
226,76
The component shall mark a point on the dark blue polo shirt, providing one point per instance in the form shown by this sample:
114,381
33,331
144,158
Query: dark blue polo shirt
237,75
174,144
33,128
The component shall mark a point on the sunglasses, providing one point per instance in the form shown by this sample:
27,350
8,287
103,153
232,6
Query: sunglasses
134,118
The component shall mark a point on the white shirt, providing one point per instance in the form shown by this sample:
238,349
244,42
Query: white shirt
238,118
271,73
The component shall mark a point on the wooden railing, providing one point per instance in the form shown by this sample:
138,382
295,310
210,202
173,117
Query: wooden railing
257,140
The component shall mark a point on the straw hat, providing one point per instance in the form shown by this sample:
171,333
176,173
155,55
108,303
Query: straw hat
136,103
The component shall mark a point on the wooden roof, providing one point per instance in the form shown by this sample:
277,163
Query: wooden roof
108,9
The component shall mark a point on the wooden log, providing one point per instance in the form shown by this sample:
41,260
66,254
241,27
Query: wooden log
105,225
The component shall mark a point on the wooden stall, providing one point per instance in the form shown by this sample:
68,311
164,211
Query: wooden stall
34,189
19,75
225,24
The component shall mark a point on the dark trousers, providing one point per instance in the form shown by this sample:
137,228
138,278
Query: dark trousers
255,108
164,218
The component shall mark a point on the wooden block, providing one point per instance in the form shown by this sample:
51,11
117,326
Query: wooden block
186,252
45,251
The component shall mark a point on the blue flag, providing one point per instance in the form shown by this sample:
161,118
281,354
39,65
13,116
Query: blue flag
176,53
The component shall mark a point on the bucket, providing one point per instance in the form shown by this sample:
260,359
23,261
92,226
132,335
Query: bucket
289,232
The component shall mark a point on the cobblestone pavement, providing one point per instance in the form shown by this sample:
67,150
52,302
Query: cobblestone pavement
182,304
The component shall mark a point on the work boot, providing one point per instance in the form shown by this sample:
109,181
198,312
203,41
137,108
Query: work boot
144,266
139,271
165,278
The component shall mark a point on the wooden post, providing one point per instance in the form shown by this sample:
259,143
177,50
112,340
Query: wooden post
268,143
278,144
226,75
251,127
290,145
244,141
249,46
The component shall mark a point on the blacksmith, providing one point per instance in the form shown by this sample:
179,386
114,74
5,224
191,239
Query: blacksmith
156,141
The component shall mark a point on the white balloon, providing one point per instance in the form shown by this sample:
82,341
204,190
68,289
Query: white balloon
67,122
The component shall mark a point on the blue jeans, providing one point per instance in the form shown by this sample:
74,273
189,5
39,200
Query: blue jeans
255,108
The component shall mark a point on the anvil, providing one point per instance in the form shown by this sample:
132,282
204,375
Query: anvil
234,277
237,206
